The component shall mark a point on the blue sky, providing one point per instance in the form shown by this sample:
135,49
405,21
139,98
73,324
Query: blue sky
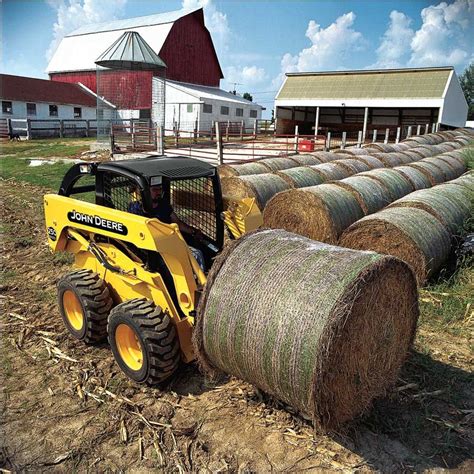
257,41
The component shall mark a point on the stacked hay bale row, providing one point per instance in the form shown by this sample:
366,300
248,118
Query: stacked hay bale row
322,212
332,341
418,228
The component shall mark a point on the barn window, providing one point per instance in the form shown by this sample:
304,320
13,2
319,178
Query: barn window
224,110
253,113
239,112
190,108
53,110
30,109
207,108
7,107
77,112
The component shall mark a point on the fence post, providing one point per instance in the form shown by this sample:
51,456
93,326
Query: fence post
437,126
220,146
195,131
328,142
29,135
61,128
433,128
297,138
227,131
374,137
359,139
241,130
409,131
212,130
176,135
160,140
255,126
387,135
111,136
397,138
427,128
88,128
343,140
418,130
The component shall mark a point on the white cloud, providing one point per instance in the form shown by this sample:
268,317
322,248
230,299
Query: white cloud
71,14
445,36
216,22
331,48
247,76
395,44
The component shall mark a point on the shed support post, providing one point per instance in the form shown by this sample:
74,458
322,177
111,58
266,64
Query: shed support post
433,128
328,142
409,131
316,122
343,140
160,142
220,146
366,119
427,128
387,135
374,137
418,130
437,126
297,137
397,138
359,139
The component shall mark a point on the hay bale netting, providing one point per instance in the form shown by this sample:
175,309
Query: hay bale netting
307,160
424,151
396,183
448,206
464,141
241,169
354,151
352,165
401,146
371,161
318,212
391,160
431,171
466,180
417,178
451,170
324,329
370,194
301,177
412,235
331,171
279,163
262,187
327,156
411,155
384,147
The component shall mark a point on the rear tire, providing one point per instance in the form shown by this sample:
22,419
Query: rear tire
144,341
84,303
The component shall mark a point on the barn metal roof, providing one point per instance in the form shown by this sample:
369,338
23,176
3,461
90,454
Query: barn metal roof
28,89
420,83
130,52
126,24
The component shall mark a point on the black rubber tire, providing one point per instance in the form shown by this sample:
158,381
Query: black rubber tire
95,300
158,339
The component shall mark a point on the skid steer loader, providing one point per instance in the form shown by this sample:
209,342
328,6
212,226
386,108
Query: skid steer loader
141,260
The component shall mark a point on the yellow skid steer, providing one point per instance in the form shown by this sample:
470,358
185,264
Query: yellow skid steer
144,234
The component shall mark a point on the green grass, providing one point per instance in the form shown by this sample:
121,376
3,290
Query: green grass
469,155
63,147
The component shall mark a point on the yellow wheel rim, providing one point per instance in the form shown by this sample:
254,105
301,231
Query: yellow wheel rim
129,346
73,310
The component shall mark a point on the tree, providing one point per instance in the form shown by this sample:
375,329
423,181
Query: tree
467,84
247,96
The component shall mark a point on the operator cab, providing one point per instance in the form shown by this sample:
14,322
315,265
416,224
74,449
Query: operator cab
189,187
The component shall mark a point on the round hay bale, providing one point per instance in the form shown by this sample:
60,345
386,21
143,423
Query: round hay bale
318,212
411,156
331,171
431,171
301,177
466,180
447,206
420,140
370,161
416,177
396,183
279,163
464,141
241,169
370,194
352,165
262,187
307,160
385,147
412,235
424,151
354,151
391,160
326,156
324,342
401,146
451,169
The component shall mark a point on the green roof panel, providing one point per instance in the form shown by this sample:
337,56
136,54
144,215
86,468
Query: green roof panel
409,84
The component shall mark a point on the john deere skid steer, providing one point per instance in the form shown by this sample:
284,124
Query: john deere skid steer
144,234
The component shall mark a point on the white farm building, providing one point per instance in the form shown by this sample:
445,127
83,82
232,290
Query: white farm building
370,99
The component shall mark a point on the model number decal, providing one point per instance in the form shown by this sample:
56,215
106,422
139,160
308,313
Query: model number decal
97,222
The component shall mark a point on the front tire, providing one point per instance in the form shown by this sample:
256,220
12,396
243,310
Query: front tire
144,342
84,303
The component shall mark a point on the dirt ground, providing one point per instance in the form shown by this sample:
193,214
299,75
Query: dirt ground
67,407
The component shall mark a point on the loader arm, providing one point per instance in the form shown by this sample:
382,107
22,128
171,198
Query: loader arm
242,217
